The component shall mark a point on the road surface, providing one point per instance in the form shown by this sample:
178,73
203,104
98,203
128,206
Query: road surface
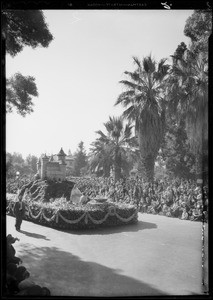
157,256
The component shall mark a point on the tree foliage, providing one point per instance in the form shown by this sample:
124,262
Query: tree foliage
31,161
175,151
100,160
24,28
19,92
198,28
80,161
16,163
9,165
188,94
113,149
188,81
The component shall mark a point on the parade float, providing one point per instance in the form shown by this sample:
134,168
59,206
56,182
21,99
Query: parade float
66,214
52,200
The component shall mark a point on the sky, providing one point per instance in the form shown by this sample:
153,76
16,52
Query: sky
78,75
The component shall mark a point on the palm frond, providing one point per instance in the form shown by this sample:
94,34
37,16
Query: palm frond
101,134
149,64
133,75
127,131
161,63
162,71
137,61
125,98
130,113
130,85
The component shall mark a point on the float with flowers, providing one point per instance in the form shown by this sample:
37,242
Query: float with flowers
78,212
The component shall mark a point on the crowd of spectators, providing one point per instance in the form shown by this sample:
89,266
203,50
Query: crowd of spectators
178,198
18,281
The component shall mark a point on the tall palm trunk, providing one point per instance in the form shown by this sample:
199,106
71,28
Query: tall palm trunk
117,166
106,171
146,167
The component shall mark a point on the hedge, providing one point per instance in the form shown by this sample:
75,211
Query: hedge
61,214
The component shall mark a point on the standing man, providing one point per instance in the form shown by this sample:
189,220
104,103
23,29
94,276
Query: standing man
19,211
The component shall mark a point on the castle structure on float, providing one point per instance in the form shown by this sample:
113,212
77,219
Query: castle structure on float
52,167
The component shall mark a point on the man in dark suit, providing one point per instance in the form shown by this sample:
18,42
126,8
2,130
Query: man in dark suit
19,211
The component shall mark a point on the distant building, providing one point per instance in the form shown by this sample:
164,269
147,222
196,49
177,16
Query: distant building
52,167
69,160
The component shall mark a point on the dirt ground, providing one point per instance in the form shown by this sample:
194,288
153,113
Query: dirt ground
157,256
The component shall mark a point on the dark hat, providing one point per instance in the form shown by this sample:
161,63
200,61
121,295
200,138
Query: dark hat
10,238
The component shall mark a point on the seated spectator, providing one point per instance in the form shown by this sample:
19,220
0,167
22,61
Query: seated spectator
165,209
190,213
143,205
205,210
200,199
184,215
197,214
169,196
168,213
151,208
158,207
175,210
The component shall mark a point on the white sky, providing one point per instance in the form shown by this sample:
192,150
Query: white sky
77,75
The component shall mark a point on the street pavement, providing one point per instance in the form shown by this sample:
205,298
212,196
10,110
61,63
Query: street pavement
157,256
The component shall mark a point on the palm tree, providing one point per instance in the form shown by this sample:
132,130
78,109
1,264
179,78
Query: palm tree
188,95
100,160
143,100
111,149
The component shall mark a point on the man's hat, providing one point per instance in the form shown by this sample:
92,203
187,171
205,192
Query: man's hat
10,238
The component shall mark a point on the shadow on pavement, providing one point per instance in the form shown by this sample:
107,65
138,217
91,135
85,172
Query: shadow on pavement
67,275
140,225
34,235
